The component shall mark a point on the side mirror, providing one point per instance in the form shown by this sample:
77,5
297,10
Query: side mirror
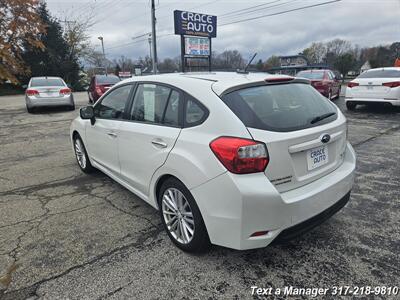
87,113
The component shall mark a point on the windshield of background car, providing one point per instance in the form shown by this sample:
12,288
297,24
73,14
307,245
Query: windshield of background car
107,79
311,75
280,107
46,82
380,74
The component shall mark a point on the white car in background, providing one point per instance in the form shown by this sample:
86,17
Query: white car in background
380,85
236,160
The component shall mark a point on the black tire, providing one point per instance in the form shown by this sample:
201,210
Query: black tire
87,167
200,241
29,109
351,105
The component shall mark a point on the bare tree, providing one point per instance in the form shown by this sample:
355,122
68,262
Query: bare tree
338,47
316,53
76,33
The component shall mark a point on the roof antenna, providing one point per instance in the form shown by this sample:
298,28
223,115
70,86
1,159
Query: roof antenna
244,71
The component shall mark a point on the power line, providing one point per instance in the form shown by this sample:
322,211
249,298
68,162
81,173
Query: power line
244,9
250,11
278,13
137,41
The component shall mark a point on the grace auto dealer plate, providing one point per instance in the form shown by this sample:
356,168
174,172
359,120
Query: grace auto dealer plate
317,157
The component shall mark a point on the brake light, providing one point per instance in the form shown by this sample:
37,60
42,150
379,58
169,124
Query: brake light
99,90
319,83
279,79
392,84
32,92
240,156
65,91
352,84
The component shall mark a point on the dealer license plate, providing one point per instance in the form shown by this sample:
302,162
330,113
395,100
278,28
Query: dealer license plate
317,157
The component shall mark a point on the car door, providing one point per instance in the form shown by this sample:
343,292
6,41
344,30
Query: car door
146,140
102,136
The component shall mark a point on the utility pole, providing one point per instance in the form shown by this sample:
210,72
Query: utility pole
153,36
151,55
104,54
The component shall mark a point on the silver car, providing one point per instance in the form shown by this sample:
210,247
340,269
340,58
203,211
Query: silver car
48,91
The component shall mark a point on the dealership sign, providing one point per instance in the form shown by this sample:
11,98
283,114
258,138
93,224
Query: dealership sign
190,23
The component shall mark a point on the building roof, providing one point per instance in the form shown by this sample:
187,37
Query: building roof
293,56
366,66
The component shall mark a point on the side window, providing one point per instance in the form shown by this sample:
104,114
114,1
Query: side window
194,113
149,103
112,105
171,116
331,75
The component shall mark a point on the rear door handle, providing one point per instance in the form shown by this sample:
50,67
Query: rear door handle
112,134
159,143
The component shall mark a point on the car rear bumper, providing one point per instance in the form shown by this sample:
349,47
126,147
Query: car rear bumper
56,101
393,101
236,206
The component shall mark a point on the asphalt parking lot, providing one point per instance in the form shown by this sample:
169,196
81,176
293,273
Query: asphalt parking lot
77,236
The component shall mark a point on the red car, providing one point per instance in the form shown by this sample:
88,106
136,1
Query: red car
99,84
324,81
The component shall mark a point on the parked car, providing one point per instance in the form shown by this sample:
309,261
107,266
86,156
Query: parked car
229,159
324,81
48,91
99,84
381,85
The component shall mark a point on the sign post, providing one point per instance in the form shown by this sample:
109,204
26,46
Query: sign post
196,31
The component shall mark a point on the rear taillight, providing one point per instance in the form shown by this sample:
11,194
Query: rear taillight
352,84
319,83
65,91
32,92
98,89
392,84
240,156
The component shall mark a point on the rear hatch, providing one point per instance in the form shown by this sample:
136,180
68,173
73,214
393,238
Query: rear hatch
301,146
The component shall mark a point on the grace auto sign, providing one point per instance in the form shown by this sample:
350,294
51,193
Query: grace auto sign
190,23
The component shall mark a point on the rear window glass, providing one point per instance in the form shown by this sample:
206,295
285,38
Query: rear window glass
107,79
380,74
46,82
280,107
311,75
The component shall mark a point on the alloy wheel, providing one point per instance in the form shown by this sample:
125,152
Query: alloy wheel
178,215
80,153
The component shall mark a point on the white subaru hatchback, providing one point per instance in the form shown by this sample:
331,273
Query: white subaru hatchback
236,160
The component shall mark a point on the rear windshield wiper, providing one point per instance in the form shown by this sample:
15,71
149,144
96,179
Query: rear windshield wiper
321,117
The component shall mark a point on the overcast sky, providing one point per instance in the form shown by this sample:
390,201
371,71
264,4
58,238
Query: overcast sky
363,22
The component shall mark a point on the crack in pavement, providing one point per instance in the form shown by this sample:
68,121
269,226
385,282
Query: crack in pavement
381,133
31,291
